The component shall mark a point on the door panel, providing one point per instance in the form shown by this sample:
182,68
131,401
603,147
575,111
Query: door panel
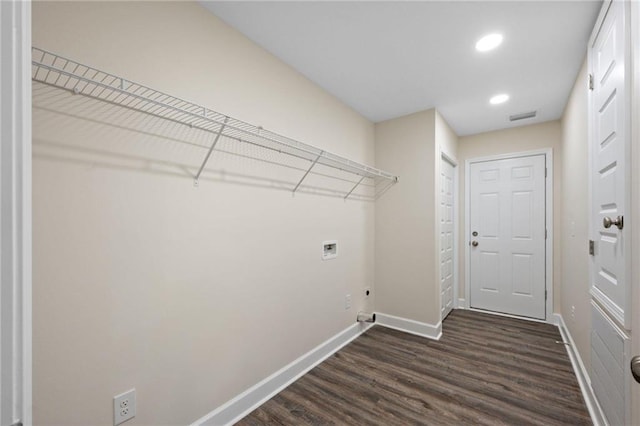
447,269
609,368
521,212
507,210
609,148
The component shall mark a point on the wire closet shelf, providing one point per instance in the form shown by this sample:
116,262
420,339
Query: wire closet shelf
55,70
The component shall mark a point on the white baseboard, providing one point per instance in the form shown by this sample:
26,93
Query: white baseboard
597,416
410,326
238,407
462,304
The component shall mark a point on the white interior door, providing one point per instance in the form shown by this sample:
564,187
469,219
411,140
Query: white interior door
507,236
447,237
609,120
609,151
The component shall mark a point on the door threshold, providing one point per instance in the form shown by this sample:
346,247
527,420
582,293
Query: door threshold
502,314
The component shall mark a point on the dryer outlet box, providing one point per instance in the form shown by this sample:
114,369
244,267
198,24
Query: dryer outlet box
329,250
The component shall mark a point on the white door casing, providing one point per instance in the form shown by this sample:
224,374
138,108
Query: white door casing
634,165
15,212
609,191
507,270
447,236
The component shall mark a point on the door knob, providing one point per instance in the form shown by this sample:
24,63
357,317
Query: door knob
635,367
607,222
474,243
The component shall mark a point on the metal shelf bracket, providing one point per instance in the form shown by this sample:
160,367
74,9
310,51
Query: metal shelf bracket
354,188
308,170
213,145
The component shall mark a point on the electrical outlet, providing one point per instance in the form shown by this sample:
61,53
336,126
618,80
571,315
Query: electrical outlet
124,407
347,302
367,292
573,312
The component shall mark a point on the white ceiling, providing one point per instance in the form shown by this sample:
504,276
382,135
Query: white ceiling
388,59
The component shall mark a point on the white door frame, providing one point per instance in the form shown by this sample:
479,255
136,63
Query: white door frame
634,278
444,156
15,213
548,153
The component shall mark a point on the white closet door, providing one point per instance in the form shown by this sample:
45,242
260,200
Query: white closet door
447,237
609,153
609,148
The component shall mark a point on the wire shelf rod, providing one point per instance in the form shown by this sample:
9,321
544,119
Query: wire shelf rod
196,117
94,83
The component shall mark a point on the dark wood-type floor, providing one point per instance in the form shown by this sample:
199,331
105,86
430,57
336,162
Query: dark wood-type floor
486,369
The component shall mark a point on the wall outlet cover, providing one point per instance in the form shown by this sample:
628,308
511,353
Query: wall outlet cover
124,407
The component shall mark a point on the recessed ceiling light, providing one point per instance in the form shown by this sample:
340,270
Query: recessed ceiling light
499,99
489,42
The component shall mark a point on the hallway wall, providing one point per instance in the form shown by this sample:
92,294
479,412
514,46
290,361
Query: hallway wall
407,218
576,301
518,139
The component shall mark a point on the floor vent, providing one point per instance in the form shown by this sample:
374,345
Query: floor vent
523,116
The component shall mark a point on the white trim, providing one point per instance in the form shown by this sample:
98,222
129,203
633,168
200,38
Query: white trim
466,230
410,326
548,153
15,212
634,279
237,408
462,303
501,314
509,155
595,411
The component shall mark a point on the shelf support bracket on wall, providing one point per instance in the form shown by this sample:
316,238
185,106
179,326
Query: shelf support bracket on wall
308,170
213,145
354,187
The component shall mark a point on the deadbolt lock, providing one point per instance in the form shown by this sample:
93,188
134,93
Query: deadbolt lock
474,233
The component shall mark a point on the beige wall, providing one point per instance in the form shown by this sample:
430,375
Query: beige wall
446,138
190,295
405,219
575,218
407,247
519,139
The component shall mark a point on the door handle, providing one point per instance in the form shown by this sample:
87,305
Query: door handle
635,368
607,222
474,243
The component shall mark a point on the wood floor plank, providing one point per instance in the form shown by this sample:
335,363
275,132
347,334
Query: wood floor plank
485,370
